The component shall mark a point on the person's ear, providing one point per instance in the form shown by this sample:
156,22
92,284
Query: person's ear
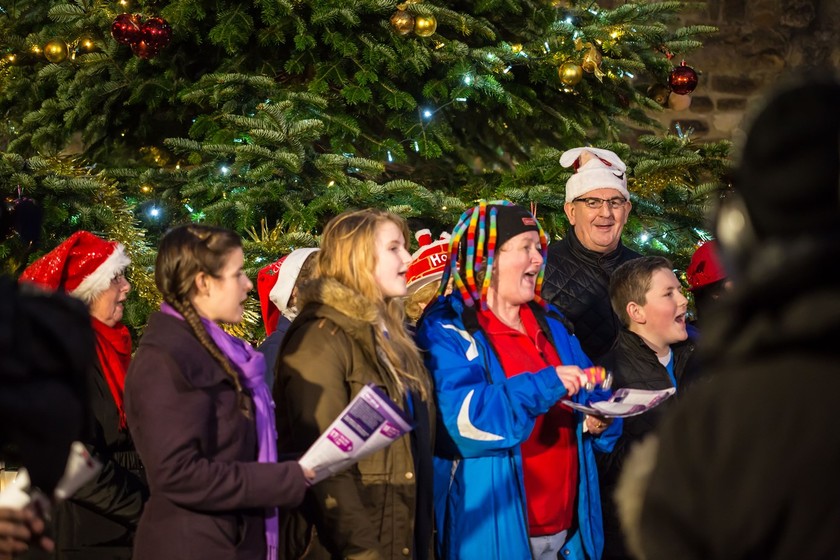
735,234
636,312
569,209
202,284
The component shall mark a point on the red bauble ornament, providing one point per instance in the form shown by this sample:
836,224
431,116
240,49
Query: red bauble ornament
126,28
144,50
156,32
683,79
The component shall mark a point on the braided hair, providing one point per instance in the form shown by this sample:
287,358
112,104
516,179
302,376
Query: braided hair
184,252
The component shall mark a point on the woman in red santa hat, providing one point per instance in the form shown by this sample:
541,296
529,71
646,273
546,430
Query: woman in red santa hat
100,520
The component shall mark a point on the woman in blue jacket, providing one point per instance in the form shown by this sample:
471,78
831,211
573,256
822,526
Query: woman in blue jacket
515,474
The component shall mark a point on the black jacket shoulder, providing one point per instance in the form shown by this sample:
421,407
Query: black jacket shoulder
577,282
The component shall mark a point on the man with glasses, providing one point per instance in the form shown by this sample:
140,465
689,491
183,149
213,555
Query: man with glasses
577,273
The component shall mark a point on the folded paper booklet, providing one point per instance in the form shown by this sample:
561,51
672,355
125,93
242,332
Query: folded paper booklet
624,403
369,423
81,468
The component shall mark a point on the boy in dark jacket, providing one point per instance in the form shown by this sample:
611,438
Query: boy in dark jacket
652,352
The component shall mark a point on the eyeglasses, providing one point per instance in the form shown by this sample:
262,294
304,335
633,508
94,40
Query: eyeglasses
118,279
595,203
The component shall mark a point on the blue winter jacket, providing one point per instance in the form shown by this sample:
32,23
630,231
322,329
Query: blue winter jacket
483,418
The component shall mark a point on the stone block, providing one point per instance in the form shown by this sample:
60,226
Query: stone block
701,104
797,14
734,84
764,13
727,122
734,9
732,104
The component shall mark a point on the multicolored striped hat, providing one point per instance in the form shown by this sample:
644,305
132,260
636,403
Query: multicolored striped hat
480,231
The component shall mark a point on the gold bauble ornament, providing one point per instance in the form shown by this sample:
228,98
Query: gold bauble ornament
592,60
570,73
402,22
86,45
425,26
56,51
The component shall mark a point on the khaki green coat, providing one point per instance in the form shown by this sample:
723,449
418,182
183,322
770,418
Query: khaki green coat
328,355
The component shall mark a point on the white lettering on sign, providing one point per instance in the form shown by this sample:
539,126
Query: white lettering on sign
439,259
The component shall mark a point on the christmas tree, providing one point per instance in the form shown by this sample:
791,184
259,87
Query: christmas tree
272,116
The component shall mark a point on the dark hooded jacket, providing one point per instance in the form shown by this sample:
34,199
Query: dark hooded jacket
577,281
747,463
100,520
46,350
635,366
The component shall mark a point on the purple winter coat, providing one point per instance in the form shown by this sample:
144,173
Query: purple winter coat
208,493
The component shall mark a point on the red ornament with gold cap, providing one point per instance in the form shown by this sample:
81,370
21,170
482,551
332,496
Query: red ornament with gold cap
683,79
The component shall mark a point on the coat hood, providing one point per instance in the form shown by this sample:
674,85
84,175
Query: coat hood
347,301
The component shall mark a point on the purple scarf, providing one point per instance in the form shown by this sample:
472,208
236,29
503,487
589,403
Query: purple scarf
251,365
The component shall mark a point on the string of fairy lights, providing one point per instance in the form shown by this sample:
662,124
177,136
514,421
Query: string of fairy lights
567,49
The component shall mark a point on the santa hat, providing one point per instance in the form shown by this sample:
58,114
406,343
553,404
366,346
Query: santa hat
705,267
275,283
428,262
83,266
595,168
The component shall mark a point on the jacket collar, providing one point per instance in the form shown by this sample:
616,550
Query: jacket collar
344,299
632,340
592,257
327,298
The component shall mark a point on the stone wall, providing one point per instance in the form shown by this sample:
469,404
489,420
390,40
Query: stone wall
759,43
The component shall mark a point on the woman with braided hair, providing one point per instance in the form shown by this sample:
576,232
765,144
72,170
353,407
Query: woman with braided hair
514,469
201,413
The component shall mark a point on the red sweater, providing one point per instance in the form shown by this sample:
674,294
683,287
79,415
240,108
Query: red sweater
549,456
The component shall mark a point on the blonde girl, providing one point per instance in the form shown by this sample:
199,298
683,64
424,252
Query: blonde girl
351,332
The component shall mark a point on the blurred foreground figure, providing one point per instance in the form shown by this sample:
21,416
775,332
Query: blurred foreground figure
46,347
747,466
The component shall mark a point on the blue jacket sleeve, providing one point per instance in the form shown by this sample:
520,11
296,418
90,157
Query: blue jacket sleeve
481,417
571,353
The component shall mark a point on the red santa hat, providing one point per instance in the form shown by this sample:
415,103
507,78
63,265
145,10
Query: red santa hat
705,267
83,265
428,262
595,168
275,283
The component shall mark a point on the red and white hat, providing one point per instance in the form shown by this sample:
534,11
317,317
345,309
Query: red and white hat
83,265
275,283
428,262
595,168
